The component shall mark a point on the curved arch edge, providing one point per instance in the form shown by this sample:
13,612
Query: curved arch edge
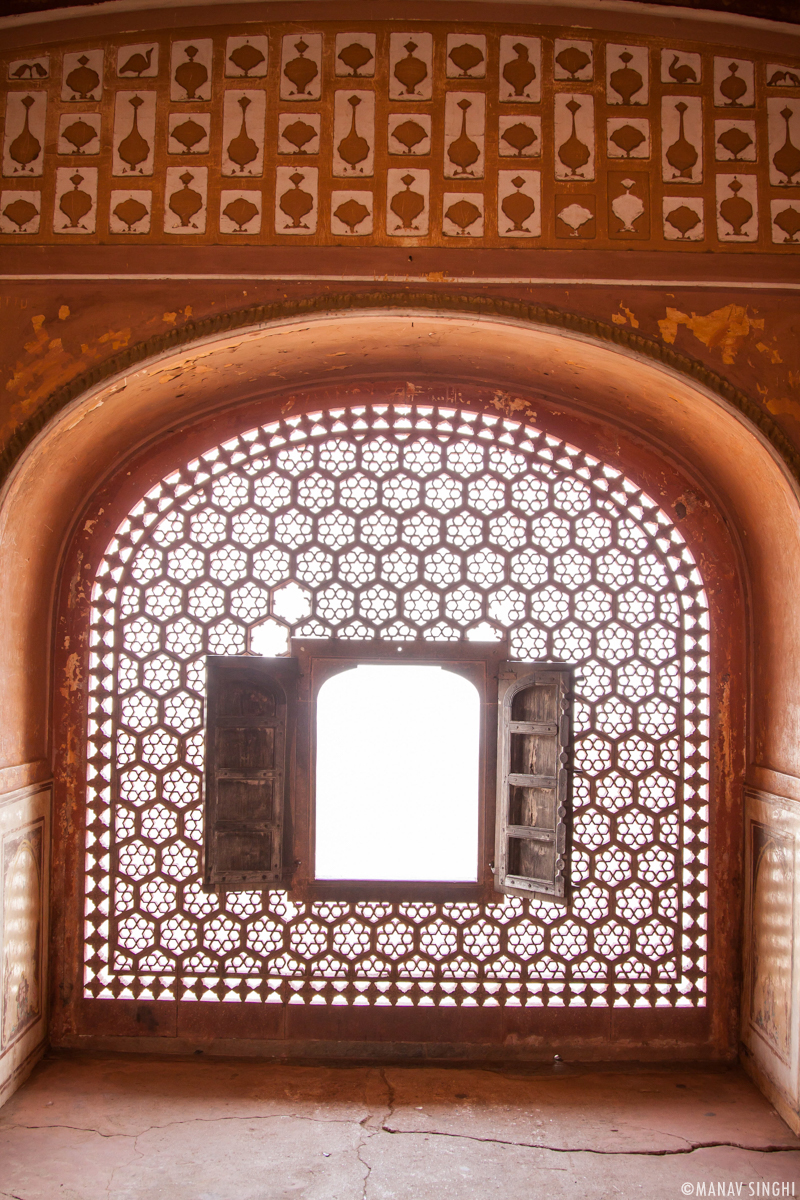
532,314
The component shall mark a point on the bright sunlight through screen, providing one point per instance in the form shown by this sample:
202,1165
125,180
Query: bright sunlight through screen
397,775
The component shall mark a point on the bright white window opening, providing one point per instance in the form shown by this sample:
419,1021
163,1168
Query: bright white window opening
397,775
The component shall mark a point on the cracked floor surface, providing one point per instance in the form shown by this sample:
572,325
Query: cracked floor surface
87,1126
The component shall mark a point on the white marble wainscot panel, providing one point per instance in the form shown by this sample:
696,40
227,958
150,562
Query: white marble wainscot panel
134,133
76,200
23,143
683,218
735,141
784,141
29,70
627,74
519,204
82,75
353,133
190,69
463,214
24,872
247,57
737,208
301,66
352,213
296,200
354,55
520,69
628,137
130,211
519,136
188,133
681,66
574,135
409,133
138,61
407,202
573,62
243,120
410,66
464,135
770,1001
20,212
240,211
79,133
466,56
785,219
681,139
779,75
185,199
734,85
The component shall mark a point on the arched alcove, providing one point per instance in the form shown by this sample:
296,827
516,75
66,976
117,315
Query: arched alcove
732,496
415,528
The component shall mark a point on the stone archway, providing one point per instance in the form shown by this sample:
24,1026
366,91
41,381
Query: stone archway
733,486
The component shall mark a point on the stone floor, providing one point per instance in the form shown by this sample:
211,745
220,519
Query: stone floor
87,1126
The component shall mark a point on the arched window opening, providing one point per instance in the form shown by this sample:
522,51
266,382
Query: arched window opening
402,522
397,775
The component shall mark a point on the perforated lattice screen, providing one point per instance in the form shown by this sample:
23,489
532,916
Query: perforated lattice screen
402,522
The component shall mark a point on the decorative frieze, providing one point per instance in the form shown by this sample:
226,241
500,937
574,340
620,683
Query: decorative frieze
327,133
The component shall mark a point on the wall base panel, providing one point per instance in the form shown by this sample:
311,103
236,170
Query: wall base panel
309,1051
773,1093
770,1002
311,1032
24,871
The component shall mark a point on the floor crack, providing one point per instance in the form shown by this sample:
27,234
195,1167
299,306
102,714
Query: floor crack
362,1141
390,1095
191,1121
385,1127
74,1128
689,1149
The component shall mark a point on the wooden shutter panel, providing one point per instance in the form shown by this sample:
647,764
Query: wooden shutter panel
250,709
533,779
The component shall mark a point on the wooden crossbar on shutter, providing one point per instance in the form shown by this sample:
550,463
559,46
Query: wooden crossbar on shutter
250,702
533,779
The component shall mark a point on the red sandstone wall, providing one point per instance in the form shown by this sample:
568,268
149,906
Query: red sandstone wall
86,293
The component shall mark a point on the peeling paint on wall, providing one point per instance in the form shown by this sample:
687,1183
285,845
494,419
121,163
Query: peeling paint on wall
72,675
725,329
623,316
785,406
771,354
48,365
511,406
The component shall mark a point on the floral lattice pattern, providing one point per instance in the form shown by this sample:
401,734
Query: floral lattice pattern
402,522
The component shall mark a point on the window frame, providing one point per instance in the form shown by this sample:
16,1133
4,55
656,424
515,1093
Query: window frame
319,660
300,675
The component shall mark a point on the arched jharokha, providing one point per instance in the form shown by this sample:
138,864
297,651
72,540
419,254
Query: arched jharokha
508,551
500,392
402,523
726,494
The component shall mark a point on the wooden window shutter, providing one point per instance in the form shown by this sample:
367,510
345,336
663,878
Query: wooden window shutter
533,779
250,712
